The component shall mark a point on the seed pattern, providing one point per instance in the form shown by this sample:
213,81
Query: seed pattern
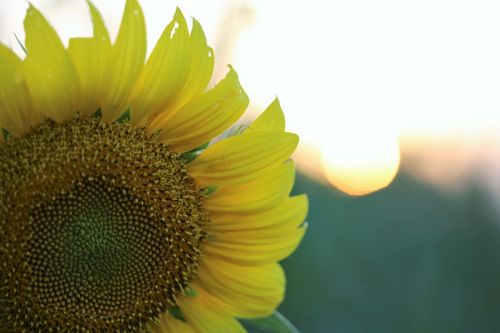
101,228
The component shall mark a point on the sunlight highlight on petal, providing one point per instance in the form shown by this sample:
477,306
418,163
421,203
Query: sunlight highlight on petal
240,158
16,114
90,57
52,80
207,116
125,62
154,93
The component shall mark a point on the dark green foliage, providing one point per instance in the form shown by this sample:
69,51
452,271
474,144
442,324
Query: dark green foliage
275,323
124,117
5,134
192,154
406,259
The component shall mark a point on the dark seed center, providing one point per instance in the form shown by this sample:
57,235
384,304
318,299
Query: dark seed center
101,228
94,248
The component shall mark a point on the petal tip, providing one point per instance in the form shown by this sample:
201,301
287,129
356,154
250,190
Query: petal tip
293,139
31,11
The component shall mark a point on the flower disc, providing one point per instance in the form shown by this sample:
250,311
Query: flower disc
135,219
100,226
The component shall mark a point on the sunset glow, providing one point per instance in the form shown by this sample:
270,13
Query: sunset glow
328,61
360,161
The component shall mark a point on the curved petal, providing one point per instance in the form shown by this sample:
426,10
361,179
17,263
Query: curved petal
17,114
125,62
52,80
201,64
206,116
256,195
169,324
287,215
254,249
164,74
90,57
272,119
99,28
241,158
247,291
208,315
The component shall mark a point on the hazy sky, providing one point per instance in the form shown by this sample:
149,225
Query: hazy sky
408,67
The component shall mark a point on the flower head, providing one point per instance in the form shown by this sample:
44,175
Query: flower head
116,214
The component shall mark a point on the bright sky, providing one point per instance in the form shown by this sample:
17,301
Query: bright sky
423,66
368,68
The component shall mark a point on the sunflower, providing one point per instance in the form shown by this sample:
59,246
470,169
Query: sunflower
117,214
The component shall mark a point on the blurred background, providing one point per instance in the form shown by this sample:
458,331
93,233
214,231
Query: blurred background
398,107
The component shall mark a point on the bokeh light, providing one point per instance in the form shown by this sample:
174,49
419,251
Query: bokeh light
360,157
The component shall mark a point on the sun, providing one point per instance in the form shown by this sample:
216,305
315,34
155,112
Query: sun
360,158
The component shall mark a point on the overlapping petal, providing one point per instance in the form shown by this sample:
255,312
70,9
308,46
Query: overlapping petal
208,315
49,72
254,249
287,215
207,116
202,65
272,119
197,65
125,62
246,291
90,56
256,195
16,114
169,324
162,78
241,158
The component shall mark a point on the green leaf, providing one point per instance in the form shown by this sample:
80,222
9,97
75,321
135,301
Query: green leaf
97,113
177,313
209,190
5,134
125,117
192,154
275,323
190,292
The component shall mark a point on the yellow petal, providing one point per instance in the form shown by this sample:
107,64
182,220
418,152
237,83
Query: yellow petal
16,111
164,74
248,250
84,55
286,215
207,315
247,291
90,57
199,58
241,158
169,324
202,64
256,195
125,62
51,77
272,119
206,116
99,28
